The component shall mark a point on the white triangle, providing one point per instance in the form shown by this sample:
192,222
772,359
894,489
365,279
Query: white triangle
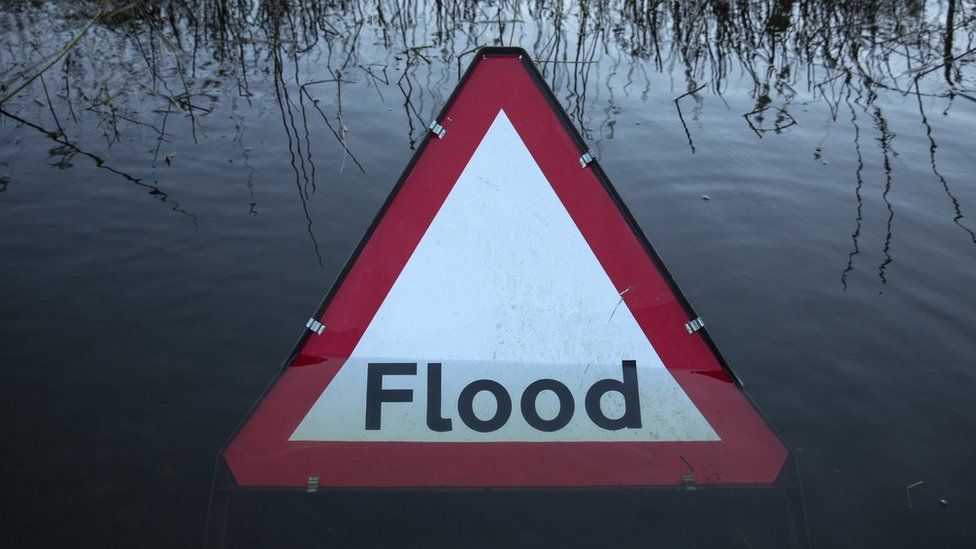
503,286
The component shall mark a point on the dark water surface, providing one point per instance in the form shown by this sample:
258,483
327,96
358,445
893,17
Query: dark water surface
180,190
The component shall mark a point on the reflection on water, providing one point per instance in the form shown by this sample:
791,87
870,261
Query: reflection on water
887,152
791,161
935,168
857,192
63,154
143,70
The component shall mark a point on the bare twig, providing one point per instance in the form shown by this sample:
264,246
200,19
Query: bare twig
944,63
315,105
677,105
760,131
56,58
908,491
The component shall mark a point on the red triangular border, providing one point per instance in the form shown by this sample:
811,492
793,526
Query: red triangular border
749,451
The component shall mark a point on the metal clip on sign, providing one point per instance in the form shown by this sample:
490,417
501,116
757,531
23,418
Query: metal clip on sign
313,484
315,326
438,130
588,156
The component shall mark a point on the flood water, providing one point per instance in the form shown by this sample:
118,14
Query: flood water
179,191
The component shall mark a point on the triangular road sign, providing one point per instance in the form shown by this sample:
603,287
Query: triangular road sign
504,323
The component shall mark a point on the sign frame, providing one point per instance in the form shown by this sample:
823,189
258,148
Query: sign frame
224,484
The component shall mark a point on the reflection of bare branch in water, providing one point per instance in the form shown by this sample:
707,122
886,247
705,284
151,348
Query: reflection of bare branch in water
69,149
857,193
587,39
779,125
884,142
935,170
337,77
184,100
50,107
308,139
677,105
246,155
780,54
376,79
342,141
406,85
288,122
